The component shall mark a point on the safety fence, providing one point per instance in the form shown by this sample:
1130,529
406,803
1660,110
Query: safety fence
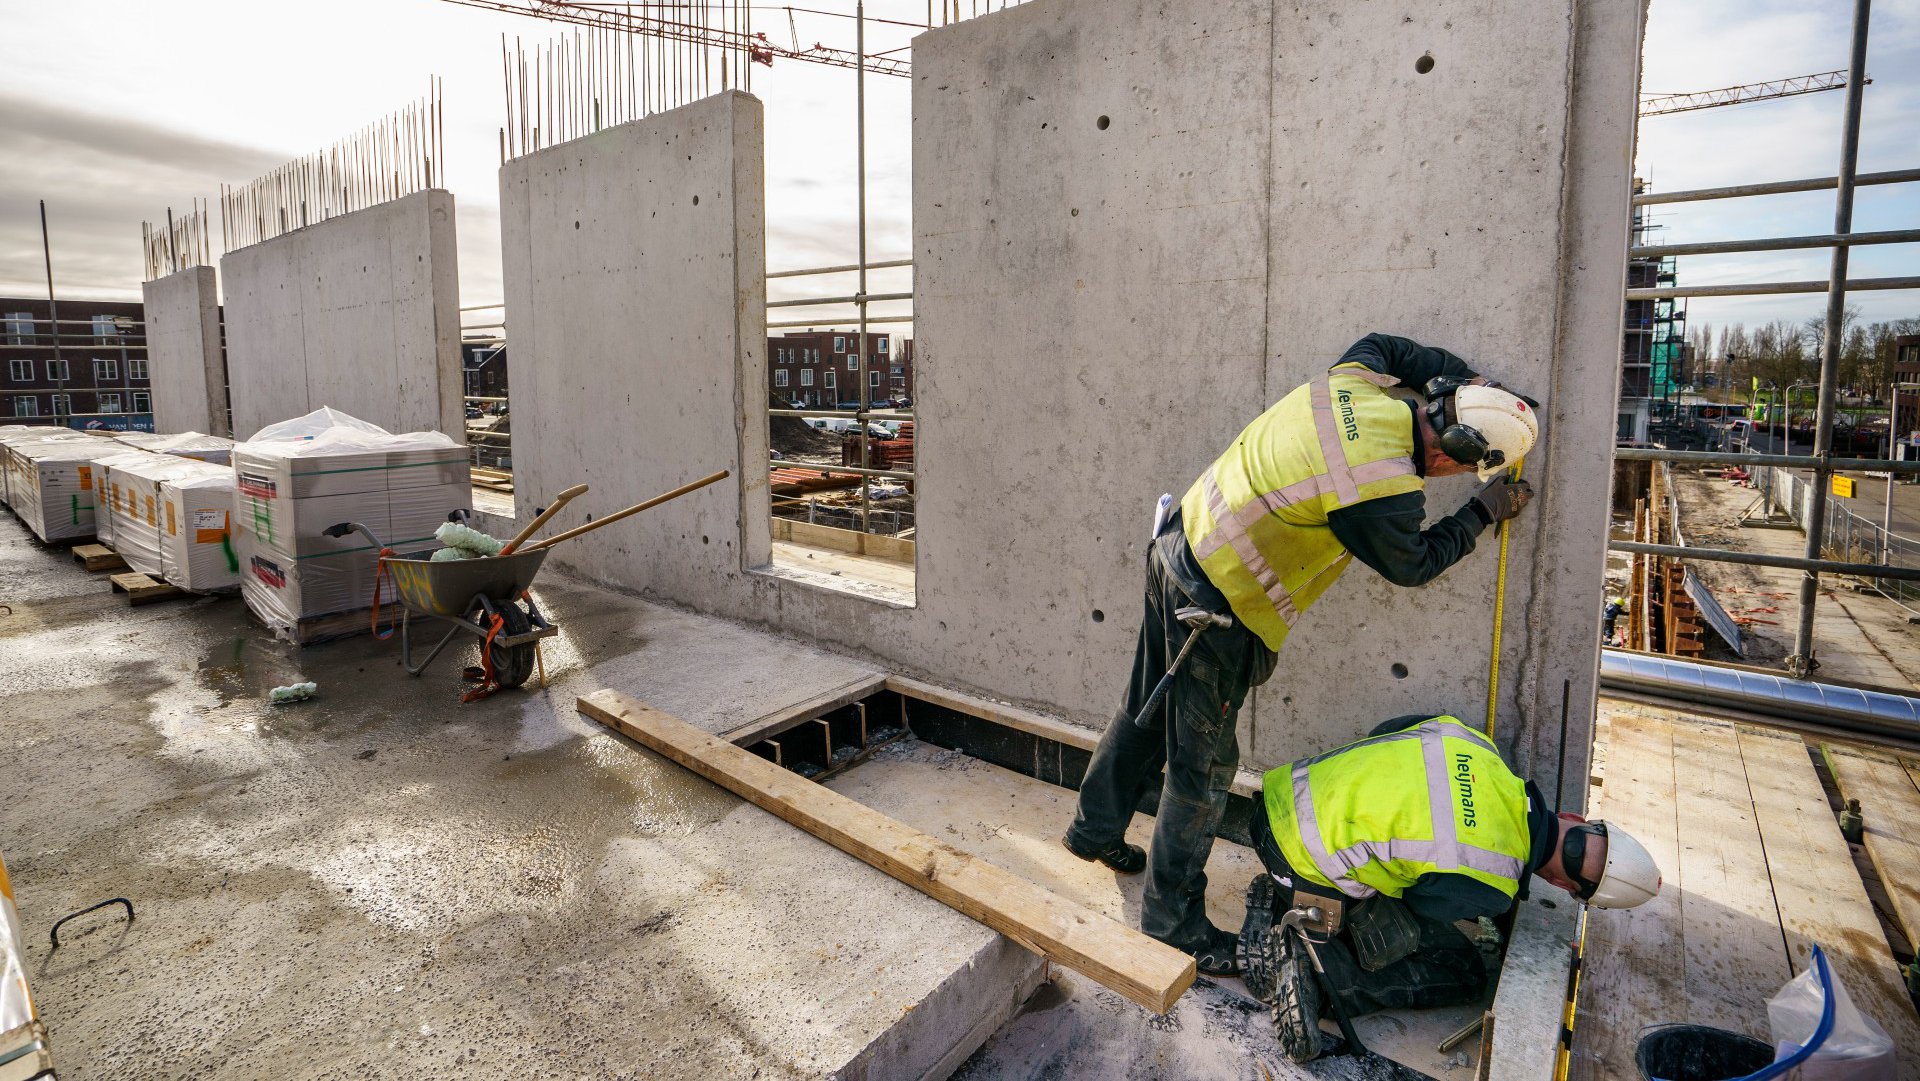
1844,535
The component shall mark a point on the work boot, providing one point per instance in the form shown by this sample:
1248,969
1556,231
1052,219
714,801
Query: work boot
1296,997
1255,930
1121,856
1220,955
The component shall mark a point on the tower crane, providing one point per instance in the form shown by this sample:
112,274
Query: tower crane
1661,104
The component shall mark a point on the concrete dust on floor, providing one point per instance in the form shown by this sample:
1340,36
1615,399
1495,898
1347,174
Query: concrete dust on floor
383,882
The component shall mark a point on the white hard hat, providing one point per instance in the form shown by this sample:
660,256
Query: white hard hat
1630,878
1506,424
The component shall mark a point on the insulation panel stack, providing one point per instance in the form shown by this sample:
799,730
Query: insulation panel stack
196,541
50,487
294,479
136,510
107,492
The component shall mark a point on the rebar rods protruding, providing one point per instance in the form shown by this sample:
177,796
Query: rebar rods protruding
177,243
594,76
397,155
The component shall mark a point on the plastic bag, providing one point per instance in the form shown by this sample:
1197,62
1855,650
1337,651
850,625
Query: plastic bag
1856,1050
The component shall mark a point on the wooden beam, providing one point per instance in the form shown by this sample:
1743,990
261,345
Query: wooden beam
1116,957
1890,801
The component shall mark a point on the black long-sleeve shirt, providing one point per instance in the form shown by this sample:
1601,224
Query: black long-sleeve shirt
1390,534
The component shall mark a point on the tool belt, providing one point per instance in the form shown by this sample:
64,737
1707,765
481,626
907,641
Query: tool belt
1381,929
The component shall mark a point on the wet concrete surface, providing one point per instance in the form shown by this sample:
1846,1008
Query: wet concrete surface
384,882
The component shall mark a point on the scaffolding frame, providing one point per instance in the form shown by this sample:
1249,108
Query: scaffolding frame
1802,663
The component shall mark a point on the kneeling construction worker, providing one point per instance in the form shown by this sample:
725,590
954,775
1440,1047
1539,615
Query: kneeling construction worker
1336,469
1391,840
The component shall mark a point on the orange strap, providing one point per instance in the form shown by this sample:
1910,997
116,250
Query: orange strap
380,571
488,684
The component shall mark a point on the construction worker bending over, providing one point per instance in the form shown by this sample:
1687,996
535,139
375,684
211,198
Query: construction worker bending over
1394,838
1333,470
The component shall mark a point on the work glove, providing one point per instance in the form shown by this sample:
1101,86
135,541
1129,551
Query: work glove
1500,499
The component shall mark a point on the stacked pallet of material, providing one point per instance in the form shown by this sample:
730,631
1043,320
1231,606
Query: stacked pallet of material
107,493
46,489
135,507
13,435
296,478
197,445
196,543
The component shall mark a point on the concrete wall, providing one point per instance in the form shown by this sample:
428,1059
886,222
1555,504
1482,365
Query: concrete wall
359,312
1178,211
184,355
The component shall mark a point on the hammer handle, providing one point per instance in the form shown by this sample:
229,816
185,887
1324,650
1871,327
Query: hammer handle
1143,719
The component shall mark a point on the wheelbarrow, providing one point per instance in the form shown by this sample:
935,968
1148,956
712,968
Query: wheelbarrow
486,598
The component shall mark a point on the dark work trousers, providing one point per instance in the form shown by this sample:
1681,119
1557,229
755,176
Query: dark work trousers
1445,969
1191,735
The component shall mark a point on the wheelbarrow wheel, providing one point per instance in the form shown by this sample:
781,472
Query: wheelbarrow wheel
512,664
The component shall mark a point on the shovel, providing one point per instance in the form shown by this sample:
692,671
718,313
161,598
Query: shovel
534,526
635,509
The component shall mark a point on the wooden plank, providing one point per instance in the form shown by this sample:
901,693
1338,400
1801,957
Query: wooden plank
815,535
1890,804
1245,783
1631,974
141,589
772,724
1817,887
1735,958
98,557
1115,956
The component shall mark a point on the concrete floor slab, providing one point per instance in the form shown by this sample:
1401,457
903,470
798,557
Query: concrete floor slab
386,883
1074,1029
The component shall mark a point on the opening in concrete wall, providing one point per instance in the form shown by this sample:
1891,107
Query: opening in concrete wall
842,493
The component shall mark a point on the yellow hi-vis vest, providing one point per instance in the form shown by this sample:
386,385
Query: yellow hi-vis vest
1257,518
1375,815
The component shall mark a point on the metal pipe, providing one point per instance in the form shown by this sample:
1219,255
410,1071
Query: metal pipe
809,302
861,297
1802,662
848,268
1777,187
1860,285
1811,565
884,414
1850,709
1790,461
1776,243
831,323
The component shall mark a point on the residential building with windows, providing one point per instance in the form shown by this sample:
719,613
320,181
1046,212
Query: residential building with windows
821,368
100,377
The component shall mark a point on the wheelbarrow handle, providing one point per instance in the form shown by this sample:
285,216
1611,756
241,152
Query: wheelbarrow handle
341,529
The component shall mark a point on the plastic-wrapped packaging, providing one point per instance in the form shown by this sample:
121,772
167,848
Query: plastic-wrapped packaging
196,540
12,435
137,509
1852,1047
297,477
197,445
46,491
100,481
16,1005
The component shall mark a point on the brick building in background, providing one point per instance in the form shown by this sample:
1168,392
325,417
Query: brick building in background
100,379
820,369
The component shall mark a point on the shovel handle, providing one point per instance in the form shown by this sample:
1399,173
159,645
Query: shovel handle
635,509
534,526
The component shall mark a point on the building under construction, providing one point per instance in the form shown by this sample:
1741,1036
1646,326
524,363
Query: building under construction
774,783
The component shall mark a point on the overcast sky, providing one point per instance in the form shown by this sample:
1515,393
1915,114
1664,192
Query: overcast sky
112,110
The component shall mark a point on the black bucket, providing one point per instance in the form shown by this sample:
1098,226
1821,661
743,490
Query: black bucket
1698,1053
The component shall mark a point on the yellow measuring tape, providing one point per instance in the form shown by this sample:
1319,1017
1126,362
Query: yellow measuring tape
1499,610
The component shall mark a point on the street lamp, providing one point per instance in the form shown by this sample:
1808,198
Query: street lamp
1786,417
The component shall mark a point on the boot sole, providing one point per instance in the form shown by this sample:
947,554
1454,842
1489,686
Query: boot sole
1254,932
1296,1002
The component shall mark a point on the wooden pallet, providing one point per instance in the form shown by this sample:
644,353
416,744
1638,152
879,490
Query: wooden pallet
98,557
316,629
141,589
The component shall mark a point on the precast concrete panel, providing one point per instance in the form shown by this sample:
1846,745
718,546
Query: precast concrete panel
359,312
1203,174
1136,225
634,284
185,361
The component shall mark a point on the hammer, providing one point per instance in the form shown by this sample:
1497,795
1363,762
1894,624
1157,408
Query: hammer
1197,621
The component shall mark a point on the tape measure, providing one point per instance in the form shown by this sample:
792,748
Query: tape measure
1499,610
